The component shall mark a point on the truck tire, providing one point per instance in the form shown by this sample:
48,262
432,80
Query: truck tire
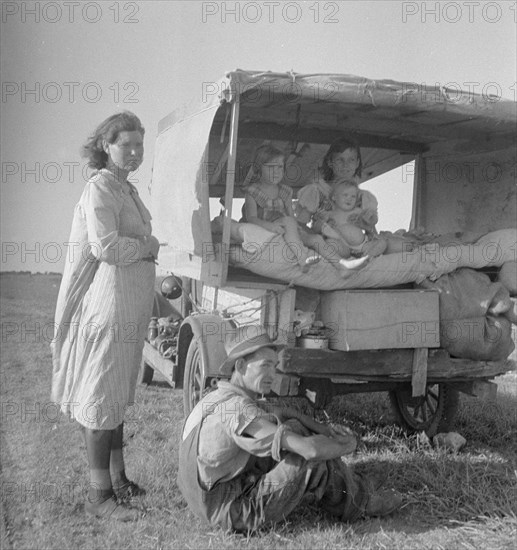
194,377
432,413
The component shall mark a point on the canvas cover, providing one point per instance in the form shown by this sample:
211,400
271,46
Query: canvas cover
273,259
393,122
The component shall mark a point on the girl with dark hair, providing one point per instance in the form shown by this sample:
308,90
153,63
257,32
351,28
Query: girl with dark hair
103,310
343,159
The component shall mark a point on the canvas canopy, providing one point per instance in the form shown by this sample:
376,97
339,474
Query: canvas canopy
392,122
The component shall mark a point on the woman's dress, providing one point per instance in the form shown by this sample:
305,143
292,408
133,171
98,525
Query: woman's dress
104,304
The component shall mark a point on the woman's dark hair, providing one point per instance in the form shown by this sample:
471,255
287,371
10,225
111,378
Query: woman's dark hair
336,147
109,130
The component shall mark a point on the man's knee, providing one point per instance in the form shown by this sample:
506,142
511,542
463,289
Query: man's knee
297,427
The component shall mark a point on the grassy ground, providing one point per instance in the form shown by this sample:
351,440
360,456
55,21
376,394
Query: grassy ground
465,500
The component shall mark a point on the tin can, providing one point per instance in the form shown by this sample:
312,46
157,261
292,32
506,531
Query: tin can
310,341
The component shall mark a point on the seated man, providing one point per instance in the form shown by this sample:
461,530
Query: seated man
244,464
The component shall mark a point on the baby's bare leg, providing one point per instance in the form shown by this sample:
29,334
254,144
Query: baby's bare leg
328,231
331,250
334,239
352,234
347,234
334,251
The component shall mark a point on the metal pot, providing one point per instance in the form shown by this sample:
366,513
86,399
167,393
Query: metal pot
313,341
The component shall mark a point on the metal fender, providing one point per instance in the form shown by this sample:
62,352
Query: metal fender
211,332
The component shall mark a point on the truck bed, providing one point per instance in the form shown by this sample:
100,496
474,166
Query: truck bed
389,364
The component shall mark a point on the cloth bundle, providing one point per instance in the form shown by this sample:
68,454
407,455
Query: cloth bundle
473,315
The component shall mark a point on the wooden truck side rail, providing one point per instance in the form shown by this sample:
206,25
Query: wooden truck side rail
322,371
391,364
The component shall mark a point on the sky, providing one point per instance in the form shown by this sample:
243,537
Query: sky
66,66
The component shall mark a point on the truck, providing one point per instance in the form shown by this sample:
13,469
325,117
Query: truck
458,146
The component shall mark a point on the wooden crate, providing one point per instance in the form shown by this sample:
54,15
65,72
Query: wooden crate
381,319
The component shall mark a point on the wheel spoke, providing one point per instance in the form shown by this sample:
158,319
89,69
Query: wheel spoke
432,406
197,379
430,412
433,394
417,412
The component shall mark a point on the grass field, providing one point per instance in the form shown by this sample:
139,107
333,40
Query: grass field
465,500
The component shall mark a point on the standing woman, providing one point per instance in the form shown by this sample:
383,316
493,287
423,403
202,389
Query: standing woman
103,309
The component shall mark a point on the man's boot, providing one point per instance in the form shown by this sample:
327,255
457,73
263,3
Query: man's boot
383,502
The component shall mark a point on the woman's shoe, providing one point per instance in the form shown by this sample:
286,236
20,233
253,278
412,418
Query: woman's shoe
354,263
310,260
128,490
111,509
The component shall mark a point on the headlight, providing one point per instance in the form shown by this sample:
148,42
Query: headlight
171,288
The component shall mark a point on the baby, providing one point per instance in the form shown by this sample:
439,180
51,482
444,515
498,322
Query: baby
346,226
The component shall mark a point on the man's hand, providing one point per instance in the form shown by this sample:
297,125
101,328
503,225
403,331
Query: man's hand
335,439
338,429
154,245
326,448
345,436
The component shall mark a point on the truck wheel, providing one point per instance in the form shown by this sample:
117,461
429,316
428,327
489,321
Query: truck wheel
146,373
432,413
193,377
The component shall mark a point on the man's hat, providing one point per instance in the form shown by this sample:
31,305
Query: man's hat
247,339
